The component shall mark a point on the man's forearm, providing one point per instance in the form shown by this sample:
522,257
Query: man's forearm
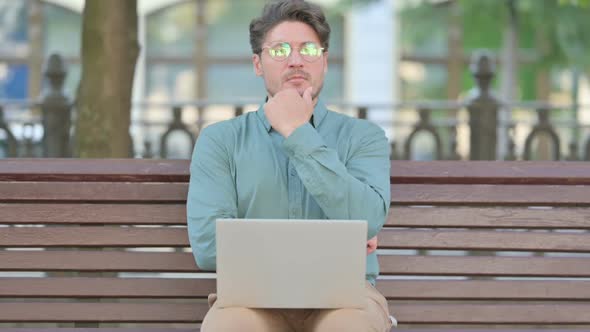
361,192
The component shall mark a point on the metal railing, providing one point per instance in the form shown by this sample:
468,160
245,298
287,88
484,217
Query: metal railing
467,129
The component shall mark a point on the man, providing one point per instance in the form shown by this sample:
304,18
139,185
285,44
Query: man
293,159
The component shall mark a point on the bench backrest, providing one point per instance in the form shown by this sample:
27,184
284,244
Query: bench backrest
502,243
466,243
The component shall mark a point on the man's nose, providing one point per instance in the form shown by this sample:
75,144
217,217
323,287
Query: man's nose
295,59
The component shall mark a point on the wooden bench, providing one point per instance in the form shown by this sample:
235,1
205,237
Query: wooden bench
468,246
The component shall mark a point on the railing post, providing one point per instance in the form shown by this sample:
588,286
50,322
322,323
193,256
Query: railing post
453,151
511,155
238,110
28,145
9,146
424,125
56,109
362,112
176,125
147,150
394,155
483,109
543,127
573,152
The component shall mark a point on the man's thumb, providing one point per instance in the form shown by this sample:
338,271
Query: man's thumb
307,95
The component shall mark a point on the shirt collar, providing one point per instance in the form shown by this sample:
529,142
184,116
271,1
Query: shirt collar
319,113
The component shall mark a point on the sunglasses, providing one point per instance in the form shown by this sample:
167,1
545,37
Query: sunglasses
309,51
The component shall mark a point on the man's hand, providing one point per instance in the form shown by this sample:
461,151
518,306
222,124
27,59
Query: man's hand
371,245
287,110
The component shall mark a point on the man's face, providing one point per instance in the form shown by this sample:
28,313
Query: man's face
293,72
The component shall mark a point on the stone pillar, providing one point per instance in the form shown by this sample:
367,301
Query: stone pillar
56,110
483,109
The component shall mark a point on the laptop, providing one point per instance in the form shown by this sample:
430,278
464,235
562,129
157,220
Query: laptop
276,263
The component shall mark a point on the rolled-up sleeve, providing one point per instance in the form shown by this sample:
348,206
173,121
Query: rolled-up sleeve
357,188
211,195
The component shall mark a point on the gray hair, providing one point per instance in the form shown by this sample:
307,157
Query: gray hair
288,10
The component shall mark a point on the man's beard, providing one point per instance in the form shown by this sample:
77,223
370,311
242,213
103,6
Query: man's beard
314,96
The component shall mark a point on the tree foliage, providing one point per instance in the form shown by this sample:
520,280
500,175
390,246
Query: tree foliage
551,33
557,30
581,3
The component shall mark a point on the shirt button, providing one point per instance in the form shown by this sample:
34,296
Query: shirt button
293,172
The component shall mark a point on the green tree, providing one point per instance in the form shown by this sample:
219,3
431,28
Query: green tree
581,3
103,102
553,33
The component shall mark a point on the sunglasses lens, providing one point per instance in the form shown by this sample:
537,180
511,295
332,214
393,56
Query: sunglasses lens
280,51
310,52
311,49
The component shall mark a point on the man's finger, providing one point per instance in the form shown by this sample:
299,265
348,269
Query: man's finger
307,95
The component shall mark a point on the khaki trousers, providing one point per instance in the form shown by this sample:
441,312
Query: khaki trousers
374,318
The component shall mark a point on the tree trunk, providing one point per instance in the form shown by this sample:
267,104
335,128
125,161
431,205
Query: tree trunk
109,54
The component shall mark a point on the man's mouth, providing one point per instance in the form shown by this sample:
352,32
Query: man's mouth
296,76
296,79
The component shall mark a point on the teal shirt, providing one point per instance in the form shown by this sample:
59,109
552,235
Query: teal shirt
335,167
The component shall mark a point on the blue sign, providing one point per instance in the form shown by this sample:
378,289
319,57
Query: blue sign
14,82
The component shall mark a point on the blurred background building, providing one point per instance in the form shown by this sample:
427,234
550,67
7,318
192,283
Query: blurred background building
404,64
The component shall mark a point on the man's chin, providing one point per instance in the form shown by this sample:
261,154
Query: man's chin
299,87
301,90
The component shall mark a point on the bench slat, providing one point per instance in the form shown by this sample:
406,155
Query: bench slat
93,236
399,216
83,170
456,194
147,329
402,194
490,172
491,313
172,329
405,313
107,261
97,261
199,288
402,171
485,266
93,191
75,287
505,290
81,213
402,216
109,236
484,240
489,217
103,312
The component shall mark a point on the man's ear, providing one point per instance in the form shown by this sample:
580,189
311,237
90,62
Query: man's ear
325,63
257,64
